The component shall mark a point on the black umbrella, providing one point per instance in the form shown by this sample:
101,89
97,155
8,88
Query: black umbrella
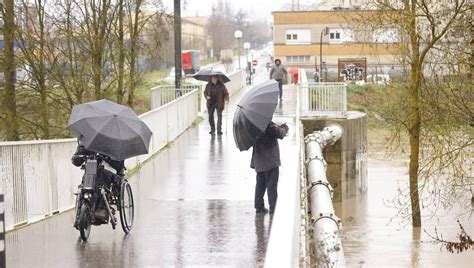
110,129
206,74
254,113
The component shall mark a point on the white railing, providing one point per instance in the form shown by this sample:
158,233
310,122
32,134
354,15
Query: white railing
39,180
285,246
160,95
237,81
323,99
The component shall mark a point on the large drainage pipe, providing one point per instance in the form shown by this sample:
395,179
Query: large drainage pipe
325,225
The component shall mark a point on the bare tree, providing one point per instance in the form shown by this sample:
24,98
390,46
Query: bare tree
97,16
31,32
435,120
9,96
121,51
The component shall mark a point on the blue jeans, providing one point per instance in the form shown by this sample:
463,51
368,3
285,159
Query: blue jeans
280,85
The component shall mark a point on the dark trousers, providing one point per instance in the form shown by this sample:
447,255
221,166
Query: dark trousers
267,180
280,86
211,110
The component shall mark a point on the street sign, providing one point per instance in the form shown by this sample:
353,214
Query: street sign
254,63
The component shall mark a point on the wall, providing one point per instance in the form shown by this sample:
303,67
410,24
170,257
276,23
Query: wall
316,21
384,54
39,180
347,159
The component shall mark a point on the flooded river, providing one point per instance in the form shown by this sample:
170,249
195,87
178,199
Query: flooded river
371,239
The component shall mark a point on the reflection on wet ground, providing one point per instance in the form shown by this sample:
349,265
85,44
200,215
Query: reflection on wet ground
194,207
370,239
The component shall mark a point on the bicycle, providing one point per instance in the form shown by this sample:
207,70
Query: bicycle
97,200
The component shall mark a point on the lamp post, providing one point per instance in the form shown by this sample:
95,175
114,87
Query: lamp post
249,66
177,44
324,31
238,36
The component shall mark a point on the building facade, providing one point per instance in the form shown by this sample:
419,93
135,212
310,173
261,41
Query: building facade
301,36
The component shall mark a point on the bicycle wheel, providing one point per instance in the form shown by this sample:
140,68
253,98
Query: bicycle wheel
85,221
126,207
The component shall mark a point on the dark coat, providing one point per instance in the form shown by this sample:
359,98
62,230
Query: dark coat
266,152
76,160
222,95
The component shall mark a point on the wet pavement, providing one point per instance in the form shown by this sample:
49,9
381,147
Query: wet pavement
194,206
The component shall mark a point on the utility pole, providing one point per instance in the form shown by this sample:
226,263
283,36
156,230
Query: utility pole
177,43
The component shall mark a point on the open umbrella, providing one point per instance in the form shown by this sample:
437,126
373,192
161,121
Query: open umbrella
206,74
110,129
254,113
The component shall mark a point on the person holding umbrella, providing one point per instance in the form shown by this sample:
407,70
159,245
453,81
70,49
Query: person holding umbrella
253,127
266,162
217,96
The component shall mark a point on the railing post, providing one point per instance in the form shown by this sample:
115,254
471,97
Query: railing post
155,97
3,243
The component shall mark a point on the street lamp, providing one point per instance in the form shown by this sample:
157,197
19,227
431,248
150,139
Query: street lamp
249,66
247,47
238,36
324,31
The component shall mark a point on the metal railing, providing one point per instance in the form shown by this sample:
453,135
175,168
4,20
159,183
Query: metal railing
39,180
327,99
161,95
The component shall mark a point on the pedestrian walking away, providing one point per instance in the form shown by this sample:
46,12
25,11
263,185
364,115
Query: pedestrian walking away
278,72
266,162
217,96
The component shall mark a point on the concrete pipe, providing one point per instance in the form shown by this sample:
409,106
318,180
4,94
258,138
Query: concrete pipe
325,224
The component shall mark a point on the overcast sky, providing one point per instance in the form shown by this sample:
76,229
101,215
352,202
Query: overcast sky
255,8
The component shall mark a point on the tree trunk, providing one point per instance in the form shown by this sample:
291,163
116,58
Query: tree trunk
131,86
42,73
9,98
97,69
121,59
414,117
134,35
414,124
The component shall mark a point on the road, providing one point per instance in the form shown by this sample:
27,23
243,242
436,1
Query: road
194,206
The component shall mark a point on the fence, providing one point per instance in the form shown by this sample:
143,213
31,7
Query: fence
286,246
39,180
323,99
160,95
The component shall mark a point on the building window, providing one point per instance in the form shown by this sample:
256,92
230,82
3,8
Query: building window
298,36
298,59
339,35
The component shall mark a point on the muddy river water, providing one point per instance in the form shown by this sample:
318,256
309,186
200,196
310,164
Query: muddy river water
371,239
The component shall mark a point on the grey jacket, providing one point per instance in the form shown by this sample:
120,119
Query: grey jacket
278,72
266,152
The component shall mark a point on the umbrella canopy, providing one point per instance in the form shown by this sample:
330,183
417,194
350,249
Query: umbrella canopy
110,129
254,113
206,74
